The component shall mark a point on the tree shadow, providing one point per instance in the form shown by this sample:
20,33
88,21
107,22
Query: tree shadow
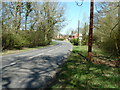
78,75
7,82
34,73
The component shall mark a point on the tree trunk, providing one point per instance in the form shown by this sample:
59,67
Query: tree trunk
26,22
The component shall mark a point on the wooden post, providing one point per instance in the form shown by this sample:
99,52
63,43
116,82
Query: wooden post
78,28
119,29
90,31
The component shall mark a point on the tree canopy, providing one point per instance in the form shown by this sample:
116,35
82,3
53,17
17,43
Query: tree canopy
30,24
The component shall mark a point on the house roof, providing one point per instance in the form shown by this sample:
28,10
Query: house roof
77,35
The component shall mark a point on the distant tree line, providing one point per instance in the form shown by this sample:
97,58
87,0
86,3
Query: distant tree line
30,24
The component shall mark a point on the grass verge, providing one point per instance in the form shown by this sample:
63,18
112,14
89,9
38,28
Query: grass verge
77,73
6,52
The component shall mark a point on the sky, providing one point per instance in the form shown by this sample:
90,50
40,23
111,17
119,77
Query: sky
74,13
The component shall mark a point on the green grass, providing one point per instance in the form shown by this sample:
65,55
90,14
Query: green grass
84,50
6,52
77,73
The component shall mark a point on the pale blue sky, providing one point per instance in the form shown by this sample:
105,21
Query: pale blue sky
74,13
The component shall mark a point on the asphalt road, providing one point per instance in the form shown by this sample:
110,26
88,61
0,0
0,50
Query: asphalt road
35,68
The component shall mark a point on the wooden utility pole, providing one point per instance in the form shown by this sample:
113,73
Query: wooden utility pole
90,30
119,29
119,14
78,29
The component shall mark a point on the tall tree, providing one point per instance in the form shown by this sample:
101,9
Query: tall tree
28,9
106,25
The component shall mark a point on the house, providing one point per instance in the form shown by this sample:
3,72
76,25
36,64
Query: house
69,37
59,36
75,36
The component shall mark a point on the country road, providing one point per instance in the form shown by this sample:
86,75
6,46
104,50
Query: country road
34,68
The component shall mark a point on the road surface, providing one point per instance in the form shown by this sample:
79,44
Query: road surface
35,68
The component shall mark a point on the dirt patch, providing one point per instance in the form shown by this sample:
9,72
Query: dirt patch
112,63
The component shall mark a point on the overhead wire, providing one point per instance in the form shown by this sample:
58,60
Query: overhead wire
80,5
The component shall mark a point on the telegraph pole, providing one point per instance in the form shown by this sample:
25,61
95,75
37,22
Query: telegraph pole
119,29
90,30
78,29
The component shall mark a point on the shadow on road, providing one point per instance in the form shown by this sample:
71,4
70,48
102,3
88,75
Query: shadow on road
37,72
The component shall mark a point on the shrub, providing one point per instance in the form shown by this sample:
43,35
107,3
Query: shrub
108,45
84,40
19,41
12,40
71,40
23,38
75,41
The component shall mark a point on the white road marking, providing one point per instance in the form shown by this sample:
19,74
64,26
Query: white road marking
30,53
41,53
50,50
36,55
58,47
54,49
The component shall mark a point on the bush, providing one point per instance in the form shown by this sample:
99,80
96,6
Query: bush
75,41
84,40
23,38
19,41
71,40
12,40
108,45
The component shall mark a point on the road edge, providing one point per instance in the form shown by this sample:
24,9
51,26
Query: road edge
58,70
